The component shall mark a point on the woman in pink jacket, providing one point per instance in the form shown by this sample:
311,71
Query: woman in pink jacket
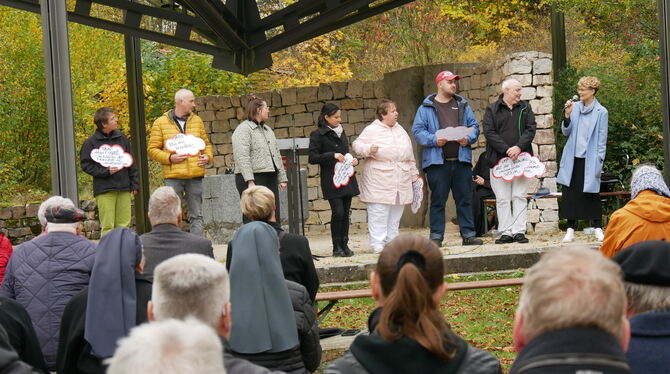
388,173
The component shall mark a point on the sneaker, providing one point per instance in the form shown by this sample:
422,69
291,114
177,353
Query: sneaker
520,238
438,242
569,235
598,232
505,239
377,249
472,241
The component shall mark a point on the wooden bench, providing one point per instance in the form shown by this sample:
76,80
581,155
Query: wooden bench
334,297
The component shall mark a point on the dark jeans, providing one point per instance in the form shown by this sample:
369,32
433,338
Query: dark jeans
268,180
339,218
453,176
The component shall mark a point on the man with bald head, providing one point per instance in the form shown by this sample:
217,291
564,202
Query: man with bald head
182,172
509,128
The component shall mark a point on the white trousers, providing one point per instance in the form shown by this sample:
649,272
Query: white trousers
511,205
383,223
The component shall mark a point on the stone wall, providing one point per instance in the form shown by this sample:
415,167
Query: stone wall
294,111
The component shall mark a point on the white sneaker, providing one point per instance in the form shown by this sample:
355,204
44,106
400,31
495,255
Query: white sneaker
569,236
377,249
598,232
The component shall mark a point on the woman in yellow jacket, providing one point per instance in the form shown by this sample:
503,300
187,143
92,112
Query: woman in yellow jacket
645,217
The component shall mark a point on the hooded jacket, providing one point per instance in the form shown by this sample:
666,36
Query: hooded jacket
426,124
165,128
124,180
646,217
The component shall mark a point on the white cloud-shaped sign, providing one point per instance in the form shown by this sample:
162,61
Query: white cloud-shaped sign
113,155
454,133
183,144
525,165
343,171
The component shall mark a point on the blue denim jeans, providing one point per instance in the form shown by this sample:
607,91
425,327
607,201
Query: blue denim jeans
452,176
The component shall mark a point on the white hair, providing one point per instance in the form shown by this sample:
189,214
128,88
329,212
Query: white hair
572,287
169,347
56,201
191,285
508,83
182,94
164,206
644,298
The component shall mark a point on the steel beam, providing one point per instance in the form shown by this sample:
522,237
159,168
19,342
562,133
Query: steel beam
55,43
664,52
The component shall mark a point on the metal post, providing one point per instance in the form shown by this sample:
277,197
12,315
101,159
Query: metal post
664,51
138,133
558,50
55,44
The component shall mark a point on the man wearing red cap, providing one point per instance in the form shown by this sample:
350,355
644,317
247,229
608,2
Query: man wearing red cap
447,164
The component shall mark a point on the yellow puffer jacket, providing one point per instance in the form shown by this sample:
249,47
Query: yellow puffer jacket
165,128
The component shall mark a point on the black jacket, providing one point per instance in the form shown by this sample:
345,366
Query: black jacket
21,334
124,180
373,355
296,260
11,364
304,358
323,144
483,170
74,352
572,350
494,121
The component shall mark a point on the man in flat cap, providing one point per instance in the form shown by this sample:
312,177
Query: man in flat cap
44,273
646,271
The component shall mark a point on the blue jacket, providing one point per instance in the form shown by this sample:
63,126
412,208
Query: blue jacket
42,275
426,124
649,342
595,150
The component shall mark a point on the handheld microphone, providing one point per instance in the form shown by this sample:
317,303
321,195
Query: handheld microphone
575,98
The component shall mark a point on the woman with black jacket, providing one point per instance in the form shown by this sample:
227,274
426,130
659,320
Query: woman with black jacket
327,145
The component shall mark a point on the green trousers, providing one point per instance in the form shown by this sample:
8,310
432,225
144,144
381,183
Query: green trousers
113,210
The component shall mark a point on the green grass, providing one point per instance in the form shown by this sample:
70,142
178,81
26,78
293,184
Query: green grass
483,317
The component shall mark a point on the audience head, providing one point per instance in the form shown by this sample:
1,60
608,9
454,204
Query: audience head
409,283
164,207
258,203
52,201
184,101
571,287
62,215
192,285
169,347
257,109
330,115
646,275
647,177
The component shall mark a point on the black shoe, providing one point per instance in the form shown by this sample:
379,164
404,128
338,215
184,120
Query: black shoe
337,250
472,241
438,242
520,238
505,239
345,247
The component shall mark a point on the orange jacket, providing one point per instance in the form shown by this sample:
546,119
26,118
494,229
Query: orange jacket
646,217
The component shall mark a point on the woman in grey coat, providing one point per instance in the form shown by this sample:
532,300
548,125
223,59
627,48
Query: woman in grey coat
408,331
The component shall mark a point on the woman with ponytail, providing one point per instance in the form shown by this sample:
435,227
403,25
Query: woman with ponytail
328,145
408,333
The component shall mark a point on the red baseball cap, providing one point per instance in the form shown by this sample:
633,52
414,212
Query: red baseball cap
446,75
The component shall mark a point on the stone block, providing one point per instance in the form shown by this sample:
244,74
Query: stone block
283,121
219,126
88,205
359,216
225,114
544,121
325,92
541,106
352,104
547,152
544,204
91,225
550,183
234,101
312,193
278,111
355,89
551,169
356,203
339,89
379,89
368,89
371,103
265,96
313,219
320,204
207,115
369,114
528,93
307,94
529,228
289,96
219,161
18,212
281,133
524,79
315,106
464,84
224,149
239,114
542,66
324,216
543,227
359,127
31,209
298,108
276,99
549,215
5,213
544,136
218,138
303,119
233,122
545,91
533,216
518,66
356,116
533,185
542,80
214,171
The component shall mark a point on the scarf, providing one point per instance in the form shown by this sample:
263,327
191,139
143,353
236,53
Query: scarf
338,130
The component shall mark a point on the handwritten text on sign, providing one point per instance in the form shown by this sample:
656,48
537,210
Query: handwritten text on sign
112,156
417,194
183,144
454,133
343,171
525,165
